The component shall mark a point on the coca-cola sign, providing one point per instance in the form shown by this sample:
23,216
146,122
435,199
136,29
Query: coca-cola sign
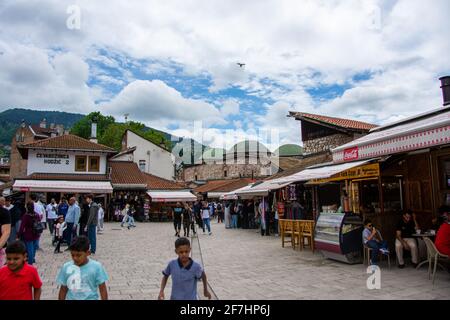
351,154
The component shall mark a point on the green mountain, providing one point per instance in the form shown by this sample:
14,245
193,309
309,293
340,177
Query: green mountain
11,119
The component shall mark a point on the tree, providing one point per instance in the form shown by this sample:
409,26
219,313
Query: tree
83,127
112,135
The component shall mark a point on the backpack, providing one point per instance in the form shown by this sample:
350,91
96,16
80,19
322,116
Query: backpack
37,226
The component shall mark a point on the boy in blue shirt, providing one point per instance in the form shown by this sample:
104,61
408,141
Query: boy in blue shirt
82,278
185,273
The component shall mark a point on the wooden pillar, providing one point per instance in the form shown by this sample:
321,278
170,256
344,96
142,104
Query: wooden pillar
380,191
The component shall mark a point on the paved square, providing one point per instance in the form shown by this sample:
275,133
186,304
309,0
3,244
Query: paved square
240,264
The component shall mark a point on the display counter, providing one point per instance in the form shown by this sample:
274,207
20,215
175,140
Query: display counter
339,236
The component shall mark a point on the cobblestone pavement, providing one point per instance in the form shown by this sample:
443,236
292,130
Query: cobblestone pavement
240,264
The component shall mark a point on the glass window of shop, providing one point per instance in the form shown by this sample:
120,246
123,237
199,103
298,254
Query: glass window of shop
369,197
392,194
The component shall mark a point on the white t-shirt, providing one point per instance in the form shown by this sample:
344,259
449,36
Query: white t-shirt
101,213
51,211
39,208
205,213
60,227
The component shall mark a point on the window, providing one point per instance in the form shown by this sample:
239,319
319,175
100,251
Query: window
80,163
94,164
142,165
225,173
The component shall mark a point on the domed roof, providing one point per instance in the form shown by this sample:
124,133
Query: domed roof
289,150
213,153
251,146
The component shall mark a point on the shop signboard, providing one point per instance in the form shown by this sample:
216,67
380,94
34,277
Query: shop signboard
361,172
351,154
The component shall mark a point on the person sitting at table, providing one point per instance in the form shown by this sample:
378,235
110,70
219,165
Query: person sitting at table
442,241
406,227
372,238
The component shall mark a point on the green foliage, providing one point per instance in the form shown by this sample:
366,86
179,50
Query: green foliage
83,127
11,119
112,136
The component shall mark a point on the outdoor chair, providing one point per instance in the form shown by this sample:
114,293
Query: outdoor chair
296,233
307,232
433,256
286,229
368,250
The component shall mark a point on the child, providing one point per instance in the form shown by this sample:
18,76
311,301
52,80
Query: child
18,278
185,274
372,239
81,278
61,226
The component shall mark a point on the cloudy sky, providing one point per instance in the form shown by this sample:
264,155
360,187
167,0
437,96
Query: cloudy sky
170,63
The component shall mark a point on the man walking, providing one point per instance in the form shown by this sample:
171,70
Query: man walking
51,215
72,220
91,226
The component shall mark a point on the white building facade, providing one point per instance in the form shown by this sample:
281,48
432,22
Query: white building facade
150,157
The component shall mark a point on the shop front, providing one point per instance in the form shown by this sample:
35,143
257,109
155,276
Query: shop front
162,202
416,174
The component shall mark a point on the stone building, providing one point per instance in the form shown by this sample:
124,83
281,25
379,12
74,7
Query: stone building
246,159
321,133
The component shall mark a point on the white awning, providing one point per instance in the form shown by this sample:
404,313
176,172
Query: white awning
415,135
321,172
215,194
171,196
63,186
261,189
229,196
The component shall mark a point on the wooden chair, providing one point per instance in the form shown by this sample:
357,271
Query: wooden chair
297,233
367,253
286,229
307,232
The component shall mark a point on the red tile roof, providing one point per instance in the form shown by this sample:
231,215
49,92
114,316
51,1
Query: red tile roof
67,142
157,183
126,173
45,131
223,185
339,122
210,185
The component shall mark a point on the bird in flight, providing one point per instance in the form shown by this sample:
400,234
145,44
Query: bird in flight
240,64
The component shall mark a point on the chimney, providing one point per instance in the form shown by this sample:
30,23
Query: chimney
52,125
94,133
59,129
445,86
43,123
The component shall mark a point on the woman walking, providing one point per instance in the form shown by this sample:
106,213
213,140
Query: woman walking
29,234
227,215
206,216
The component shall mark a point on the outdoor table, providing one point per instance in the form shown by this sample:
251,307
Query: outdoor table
424,235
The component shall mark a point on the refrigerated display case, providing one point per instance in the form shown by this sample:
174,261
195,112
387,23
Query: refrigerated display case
339,236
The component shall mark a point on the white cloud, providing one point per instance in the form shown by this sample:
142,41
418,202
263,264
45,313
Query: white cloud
42,82
288,46
230,107
154,101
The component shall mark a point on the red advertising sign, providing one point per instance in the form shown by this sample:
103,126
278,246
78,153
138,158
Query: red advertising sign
24,189
351,154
